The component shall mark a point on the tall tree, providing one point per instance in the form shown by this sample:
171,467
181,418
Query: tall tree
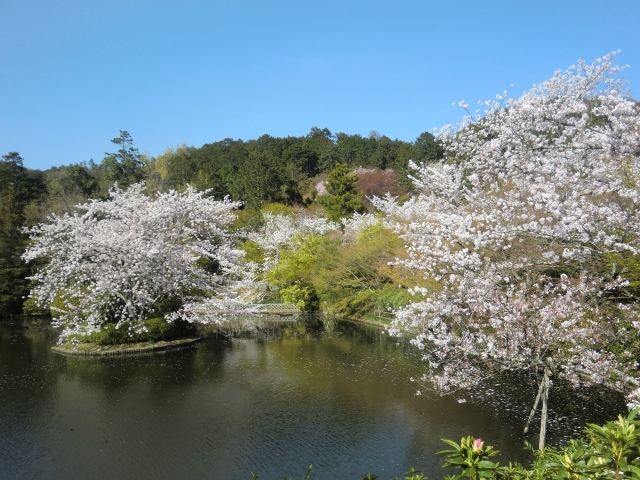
18,187
526,225
117,260
264,178
427,148
123,166
67,186
342,198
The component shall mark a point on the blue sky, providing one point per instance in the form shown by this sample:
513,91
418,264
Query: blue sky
74,73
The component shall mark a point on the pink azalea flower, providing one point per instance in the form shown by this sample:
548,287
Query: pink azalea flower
477,445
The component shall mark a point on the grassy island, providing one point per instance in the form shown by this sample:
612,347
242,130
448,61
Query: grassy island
157,334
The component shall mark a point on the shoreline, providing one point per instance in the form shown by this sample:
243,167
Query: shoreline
93,350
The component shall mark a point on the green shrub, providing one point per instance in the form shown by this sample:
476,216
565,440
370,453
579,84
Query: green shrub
302,296
166,304
608,451
30,307
157,329
372,303
253,252
357,305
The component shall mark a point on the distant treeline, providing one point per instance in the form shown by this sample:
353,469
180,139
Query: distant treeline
258,172
274,169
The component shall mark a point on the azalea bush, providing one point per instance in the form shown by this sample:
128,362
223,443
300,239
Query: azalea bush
610,451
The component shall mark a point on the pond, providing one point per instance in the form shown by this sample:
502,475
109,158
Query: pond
271,398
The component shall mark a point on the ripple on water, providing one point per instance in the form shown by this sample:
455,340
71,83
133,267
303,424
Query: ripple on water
272,404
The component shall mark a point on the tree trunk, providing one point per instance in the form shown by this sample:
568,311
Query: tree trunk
545,401
533,410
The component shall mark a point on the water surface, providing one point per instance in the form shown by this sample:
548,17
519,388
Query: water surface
272,400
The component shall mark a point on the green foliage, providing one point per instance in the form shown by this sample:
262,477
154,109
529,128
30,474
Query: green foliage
253,252
302,296
346,278
248,219
67,186
472,457
278,209
169,304
297,265
161,307
412,474
258,172
627,265
610,451
346,270
18,188
124,166
427,149
342,199
294,273
264,177
30,307
157,329
372,304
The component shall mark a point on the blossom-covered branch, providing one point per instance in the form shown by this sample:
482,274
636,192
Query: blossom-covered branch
525,224
116,260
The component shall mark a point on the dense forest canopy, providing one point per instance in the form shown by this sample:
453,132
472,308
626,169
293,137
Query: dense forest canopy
258,172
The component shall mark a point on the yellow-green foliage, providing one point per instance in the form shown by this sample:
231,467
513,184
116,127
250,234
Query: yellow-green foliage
345,270
362,283
30,307
302,296
247,218
376,304
251,218
278,209
352,279
293,274
628,267
297,265
61,304
253,252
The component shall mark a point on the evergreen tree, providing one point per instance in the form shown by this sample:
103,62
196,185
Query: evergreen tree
18,187
342,198
124,166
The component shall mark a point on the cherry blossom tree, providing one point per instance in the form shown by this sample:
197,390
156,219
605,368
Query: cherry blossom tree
115,260
525,223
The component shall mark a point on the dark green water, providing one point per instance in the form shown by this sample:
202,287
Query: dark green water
272,400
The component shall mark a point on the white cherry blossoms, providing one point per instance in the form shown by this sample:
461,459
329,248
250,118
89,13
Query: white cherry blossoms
115,259
521,223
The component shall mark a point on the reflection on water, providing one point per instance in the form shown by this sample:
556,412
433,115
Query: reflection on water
269,397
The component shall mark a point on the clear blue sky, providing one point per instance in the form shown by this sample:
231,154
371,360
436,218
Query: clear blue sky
74,73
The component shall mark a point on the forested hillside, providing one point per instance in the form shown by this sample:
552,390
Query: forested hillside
284,170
